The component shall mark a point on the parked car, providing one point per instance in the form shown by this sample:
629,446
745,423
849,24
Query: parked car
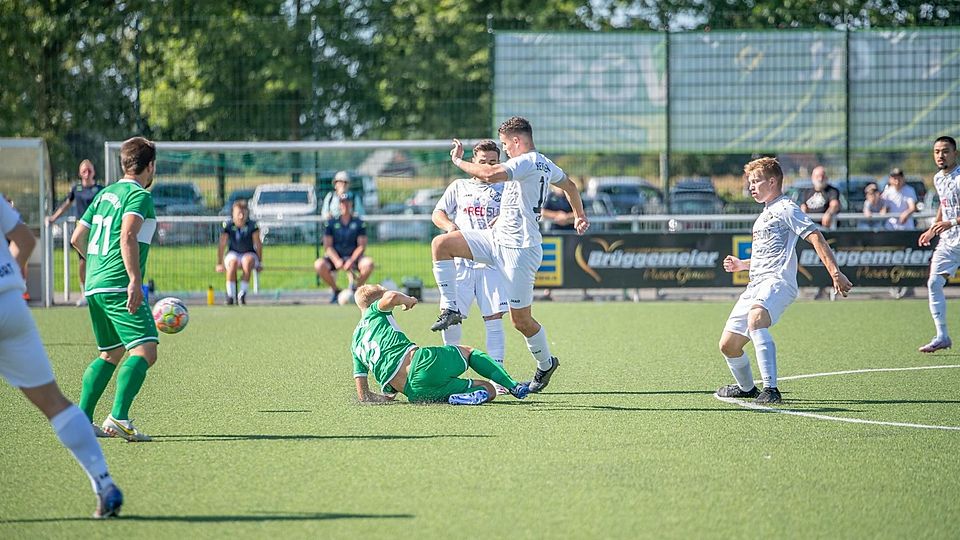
178,198
361,185
181,199
406,230
425,197
628,194
695,196
235,195
274,205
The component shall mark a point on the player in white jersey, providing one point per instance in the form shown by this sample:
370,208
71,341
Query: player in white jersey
469,204
773,281
946,256
24,364
513,245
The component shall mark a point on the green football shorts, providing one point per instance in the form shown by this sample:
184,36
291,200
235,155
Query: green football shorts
114,326
434,374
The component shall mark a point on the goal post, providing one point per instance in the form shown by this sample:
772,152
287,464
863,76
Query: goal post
25,179
196,182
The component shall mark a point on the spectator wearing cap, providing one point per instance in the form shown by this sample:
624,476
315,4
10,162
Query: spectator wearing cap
344,243
341,186
900,200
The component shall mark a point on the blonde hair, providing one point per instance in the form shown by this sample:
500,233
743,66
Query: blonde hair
368,294
766,167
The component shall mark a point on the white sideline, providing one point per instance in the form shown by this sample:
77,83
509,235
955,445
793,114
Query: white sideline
764,408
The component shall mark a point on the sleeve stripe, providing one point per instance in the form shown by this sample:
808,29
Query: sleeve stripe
359,375
138,214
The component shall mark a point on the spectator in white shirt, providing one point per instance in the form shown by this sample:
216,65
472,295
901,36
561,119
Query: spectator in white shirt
900,201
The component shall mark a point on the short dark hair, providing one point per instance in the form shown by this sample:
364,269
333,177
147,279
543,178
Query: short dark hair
486,146
949,140
870,187
516,125
136,153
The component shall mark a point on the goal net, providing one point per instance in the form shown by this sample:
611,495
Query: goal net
396,183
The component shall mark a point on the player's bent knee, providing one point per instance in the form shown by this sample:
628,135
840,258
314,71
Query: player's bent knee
936,281
147,350
758,318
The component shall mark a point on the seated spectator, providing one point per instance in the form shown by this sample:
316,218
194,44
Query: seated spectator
900,200
558,213
873,205
344,243
242,236
330,208
821,199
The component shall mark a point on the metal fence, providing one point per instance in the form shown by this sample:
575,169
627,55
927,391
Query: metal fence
183,256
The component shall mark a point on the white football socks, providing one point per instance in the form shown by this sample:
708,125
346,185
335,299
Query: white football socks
75,432
244,286
496,341
766,356
537,344
740,368
445,273
452,334
938,304
231,288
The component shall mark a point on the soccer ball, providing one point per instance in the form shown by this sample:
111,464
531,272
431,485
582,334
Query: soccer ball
170,315
345,297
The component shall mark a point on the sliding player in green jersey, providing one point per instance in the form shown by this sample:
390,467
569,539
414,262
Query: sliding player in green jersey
423,374
115,234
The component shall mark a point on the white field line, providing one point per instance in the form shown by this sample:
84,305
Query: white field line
764,408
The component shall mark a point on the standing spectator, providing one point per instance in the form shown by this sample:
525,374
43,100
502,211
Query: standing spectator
901,202
344,242
82,193
821,199
873,205
330,208
242,235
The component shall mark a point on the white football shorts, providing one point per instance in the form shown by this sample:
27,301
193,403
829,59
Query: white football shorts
772,295
485,284
517,266
234,256
945,260
23,360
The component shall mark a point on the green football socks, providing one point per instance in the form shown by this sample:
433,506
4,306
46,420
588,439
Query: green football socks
95,380
129,380
486,366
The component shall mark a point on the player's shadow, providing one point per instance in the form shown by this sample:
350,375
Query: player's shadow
285,411
274,437
227,518
876,401
616,408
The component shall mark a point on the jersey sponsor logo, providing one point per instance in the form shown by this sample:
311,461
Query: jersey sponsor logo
478,211
112,199
5,270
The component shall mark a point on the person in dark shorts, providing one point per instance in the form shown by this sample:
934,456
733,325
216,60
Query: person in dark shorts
79,198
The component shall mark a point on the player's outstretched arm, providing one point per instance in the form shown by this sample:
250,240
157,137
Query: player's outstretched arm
840,282
490,174
365,395
580,222
732,264
392,299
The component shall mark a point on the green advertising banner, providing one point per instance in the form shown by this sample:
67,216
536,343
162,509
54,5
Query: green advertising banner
731,91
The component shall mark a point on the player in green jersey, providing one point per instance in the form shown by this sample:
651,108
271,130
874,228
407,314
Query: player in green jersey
423,374
114,235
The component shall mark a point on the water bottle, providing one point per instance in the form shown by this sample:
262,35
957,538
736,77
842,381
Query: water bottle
209,295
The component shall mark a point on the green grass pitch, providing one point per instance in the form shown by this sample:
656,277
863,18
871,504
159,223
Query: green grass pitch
258,433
